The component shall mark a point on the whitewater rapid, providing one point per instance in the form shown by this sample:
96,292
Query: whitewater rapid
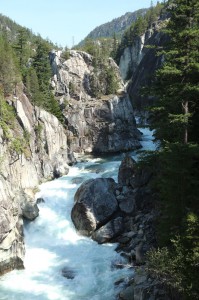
52,244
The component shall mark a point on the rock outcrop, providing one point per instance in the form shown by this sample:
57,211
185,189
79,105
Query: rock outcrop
107,211
72,76
128,220
139,62
132,55
95,203
24,163
106,124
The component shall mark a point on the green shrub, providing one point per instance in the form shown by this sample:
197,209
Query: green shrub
178,267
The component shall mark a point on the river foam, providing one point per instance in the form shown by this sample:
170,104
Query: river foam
52,245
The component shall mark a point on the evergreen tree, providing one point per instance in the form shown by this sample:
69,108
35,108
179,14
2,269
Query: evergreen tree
111,79
114,47
42,65
175,118
21,48
9,73
32,85
177,81
38,81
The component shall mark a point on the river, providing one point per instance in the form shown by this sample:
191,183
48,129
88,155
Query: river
52,243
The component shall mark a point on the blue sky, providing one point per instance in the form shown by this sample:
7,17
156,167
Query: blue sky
65,21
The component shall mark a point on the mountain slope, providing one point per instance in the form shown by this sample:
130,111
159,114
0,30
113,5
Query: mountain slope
117,25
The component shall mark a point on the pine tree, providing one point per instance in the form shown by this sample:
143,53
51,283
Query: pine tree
114,47
32,85
176,85
42,65
111,80
21,47
175,120
9,73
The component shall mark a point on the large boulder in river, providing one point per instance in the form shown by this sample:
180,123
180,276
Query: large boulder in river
95,204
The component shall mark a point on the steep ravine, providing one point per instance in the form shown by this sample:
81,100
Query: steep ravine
59,263
104,125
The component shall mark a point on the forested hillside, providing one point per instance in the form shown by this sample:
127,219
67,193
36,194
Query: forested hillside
106,37
117,26
25,58
138,28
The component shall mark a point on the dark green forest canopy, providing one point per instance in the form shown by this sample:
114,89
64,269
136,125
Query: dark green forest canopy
25,57
175,120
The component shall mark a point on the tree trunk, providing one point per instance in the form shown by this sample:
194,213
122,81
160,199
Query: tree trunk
186,111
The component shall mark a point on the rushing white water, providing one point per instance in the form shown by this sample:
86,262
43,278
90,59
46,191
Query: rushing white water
52,244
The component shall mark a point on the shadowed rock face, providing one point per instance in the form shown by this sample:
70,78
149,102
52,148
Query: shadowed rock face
142,62
126,170
144,73
103,126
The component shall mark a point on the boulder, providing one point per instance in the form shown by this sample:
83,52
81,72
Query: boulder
29,208
95,203
68,273
109,231
60,169
126,170
142,178
30,211
127,294
127,204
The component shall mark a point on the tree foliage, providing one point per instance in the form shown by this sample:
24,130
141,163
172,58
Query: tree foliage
137,28
175,117
176,85
178,267
9,73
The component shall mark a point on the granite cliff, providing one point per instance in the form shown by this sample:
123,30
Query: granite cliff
101,125
44,157
140,61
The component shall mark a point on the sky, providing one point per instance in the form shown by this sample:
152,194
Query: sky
67,22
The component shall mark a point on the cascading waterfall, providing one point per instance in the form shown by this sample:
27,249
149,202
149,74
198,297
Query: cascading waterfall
60,264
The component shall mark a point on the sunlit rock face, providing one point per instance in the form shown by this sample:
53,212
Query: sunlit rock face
72,76
103,125
132,56
44,155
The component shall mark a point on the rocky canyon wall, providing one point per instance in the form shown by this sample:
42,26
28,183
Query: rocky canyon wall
140,61
39,147
102,125
44,157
